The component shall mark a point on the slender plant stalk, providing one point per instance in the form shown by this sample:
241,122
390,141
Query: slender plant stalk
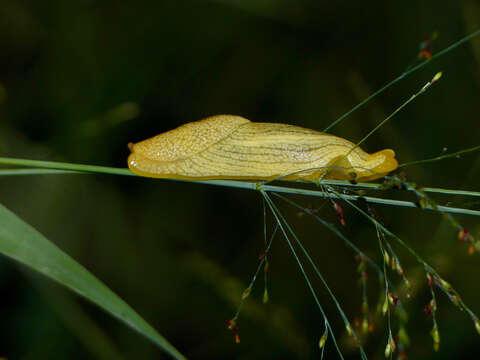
65,166
383,122
402,76
319,274
300,265
231,183
332,228
371,186
441,157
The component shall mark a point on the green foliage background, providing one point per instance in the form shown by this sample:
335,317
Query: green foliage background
81,79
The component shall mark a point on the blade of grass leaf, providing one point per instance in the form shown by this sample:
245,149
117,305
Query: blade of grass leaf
23,243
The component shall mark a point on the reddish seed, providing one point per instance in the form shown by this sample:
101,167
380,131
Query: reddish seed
339,210
425,48
393,300
429,280
428,310
465,236
424,54
231,325
356,320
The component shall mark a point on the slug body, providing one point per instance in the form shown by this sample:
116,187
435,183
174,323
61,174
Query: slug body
232,147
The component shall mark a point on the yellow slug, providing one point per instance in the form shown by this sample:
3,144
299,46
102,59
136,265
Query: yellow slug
232,147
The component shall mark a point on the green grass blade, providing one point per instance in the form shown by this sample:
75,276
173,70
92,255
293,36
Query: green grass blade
23,243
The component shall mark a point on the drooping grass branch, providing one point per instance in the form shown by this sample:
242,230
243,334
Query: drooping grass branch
445,286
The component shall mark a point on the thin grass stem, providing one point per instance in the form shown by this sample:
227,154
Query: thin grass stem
441,157
383,122
300,265
322,279
233,183
371,186
402,76
332,228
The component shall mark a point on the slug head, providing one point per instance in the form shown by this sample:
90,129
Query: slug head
380,164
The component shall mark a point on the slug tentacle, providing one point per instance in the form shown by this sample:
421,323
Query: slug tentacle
232,147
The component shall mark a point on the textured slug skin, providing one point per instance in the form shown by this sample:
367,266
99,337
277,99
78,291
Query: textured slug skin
232,147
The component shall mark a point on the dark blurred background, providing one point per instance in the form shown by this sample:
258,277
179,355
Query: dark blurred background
81,79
